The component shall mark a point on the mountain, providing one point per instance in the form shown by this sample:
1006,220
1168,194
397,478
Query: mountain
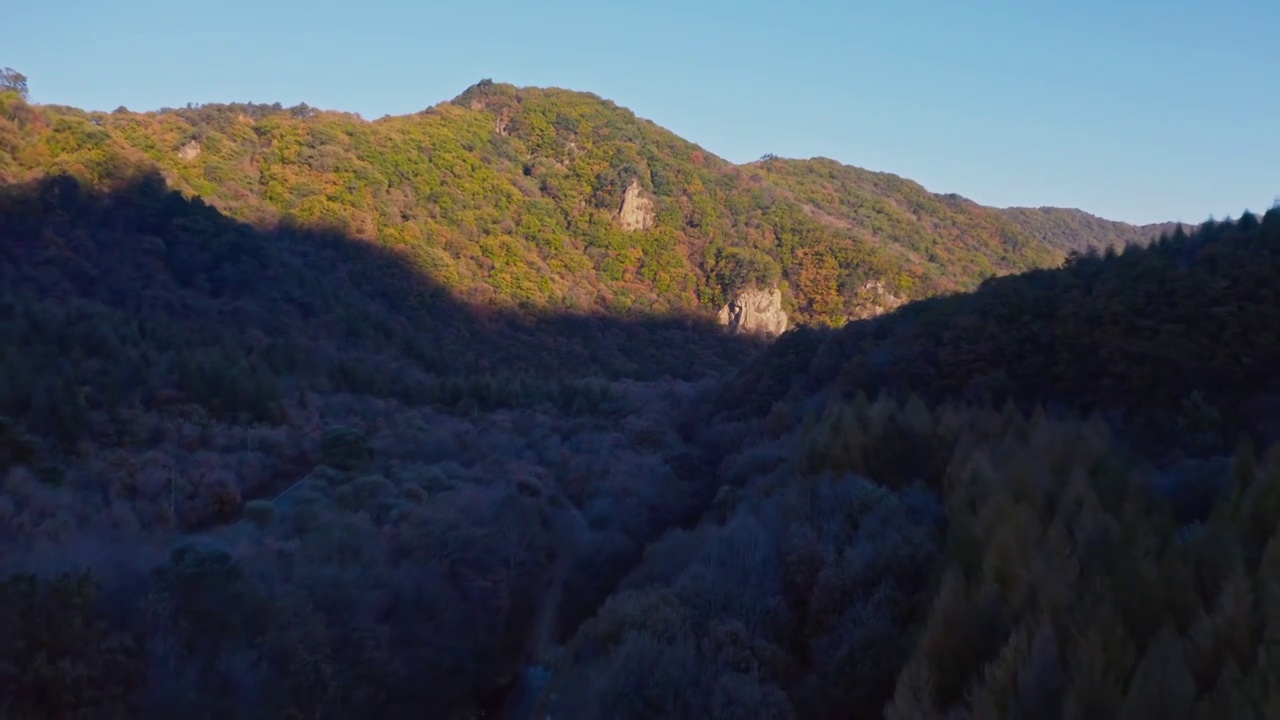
303,415
1104,442
550,200
184,397
1144,337
948,241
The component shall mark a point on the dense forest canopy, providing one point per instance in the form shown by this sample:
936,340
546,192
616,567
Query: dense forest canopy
303,415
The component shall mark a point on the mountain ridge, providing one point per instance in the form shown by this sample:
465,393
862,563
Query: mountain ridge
513,196
1073,229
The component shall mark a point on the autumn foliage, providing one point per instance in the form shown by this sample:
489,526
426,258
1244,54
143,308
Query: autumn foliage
303,415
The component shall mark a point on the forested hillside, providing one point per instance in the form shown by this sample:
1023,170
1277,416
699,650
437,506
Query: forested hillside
1078,231
305,476
1140,335
1102,440
303,415
547,199
953,242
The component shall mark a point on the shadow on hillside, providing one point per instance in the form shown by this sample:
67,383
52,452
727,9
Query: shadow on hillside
1173,342
117,303
142,293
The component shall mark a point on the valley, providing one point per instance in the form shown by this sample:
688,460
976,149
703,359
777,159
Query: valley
306,415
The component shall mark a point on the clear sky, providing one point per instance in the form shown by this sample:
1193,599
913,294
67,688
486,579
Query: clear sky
1132,109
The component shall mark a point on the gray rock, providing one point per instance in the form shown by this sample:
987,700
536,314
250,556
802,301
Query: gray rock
755,311
636,211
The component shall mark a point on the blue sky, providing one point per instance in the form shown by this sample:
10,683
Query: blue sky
1134,110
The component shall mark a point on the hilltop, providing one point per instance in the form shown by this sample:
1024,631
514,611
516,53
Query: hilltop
550,200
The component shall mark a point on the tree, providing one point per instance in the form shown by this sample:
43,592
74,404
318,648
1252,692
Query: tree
1163,686
58,655
13,81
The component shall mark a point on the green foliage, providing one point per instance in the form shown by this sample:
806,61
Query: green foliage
733,269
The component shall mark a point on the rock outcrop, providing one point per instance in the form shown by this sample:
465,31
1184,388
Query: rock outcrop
757,312
874,299
190,151
637,211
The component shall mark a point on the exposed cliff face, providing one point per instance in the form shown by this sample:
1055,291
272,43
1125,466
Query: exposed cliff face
873,299
637,211
755,312
190,151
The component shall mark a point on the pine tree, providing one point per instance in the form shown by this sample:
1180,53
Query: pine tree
994,693
1162,687
1100,656
913,697
1227,698
1041,679
1225,636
